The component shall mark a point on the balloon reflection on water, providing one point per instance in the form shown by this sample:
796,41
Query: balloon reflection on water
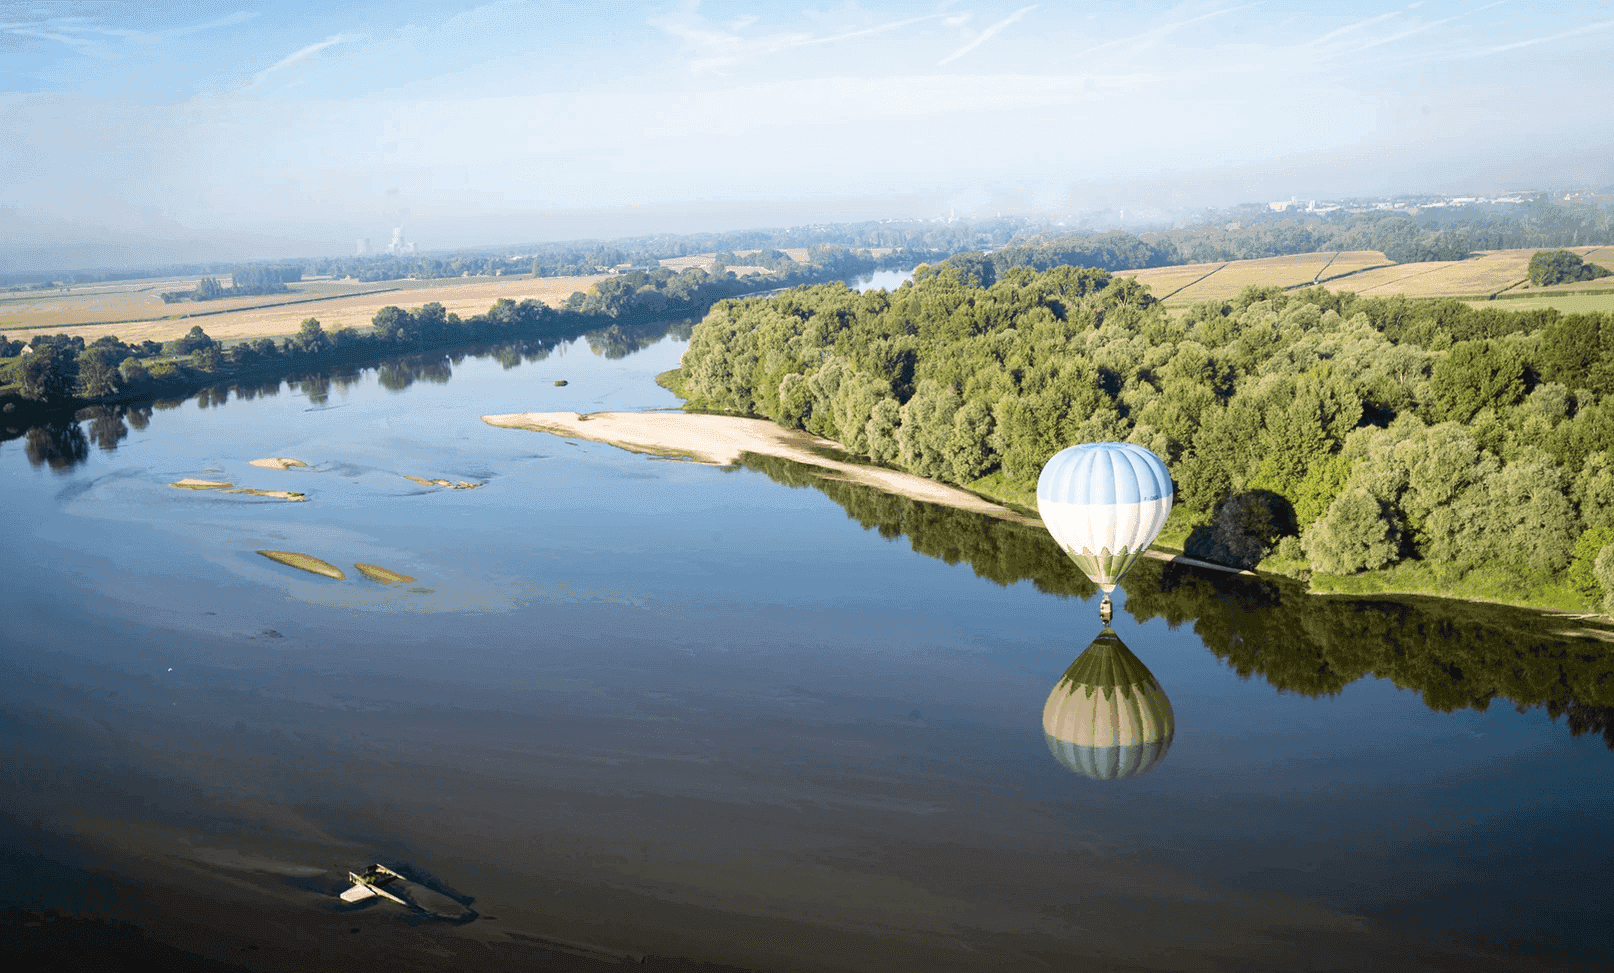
1108,717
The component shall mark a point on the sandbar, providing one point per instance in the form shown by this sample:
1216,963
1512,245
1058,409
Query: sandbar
191,483
291,495
278,463
376,572
448,484
720,439
306,562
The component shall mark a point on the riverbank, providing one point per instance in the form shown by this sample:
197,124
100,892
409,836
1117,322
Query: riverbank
720,440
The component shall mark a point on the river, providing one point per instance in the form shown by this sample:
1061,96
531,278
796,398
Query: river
630,706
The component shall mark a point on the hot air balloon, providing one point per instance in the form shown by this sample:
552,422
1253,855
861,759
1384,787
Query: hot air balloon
1108,717
1104,503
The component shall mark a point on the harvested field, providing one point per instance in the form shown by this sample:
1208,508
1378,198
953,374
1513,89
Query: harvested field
1492,272
701,260
352,304
1370,274
1567,302
1165,282
1188,283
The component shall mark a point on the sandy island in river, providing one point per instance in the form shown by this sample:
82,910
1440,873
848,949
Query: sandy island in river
720,439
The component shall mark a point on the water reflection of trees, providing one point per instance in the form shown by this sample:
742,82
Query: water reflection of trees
998,550
105,426
62,441
1456,655
58,445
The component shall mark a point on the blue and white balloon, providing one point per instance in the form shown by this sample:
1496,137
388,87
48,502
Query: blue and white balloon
1104,503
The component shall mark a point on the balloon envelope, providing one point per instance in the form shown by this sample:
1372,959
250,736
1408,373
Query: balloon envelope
1104,503
1108,717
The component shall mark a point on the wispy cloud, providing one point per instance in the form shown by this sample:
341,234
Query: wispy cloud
240,17
1515,45
1348,28
1403,35
300,55
29,30
726,47
986,35
1153,34
89,37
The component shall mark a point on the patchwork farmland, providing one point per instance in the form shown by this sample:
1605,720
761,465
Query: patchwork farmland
1371,274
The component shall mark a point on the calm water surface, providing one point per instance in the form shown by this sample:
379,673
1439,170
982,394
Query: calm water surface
695,712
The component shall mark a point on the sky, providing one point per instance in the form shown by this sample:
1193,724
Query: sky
139,133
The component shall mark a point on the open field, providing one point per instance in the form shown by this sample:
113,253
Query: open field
349,303
142,300
1566,302
1188,283
1370,274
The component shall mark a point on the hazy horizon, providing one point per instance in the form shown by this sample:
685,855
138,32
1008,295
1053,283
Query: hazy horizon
233,131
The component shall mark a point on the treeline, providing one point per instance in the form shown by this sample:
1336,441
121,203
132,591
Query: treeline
917,239
1446,233
64,368
914,240
244,282
1456,656
1307,431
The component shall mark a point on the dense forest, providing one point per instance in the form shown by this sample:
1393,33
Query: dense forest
1311,433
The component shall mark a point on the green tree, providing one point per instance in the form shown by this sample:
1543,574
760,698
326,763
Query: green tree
1548,267
927,427
1355,535
310,338
969,450
193,340
98,372
132,372
46,374
882,431
1475,374
1583,564
207,359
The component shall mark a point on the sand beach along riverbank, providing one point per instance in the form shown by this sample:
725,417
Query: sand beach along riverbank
720,439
